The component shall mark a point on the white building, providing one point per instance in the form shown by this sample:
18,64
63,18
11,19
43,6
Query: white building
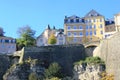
42,39
7,45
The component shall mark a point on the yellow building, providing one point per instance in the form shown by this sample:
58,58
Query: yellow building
95,24
74,29
88,28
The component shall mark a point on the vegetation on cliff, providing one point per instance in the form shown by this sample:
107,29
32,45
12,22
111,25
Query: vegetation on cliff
90,60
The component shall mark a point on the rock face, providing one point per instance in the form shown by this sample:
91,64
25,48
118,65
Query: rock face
5,63
22,71
109,51
88,72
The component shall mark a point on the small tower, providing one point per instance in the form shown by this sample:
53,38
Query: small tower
117,22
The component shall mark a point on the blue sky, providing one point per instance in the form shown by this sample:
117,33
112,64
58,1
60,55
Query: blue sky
39,13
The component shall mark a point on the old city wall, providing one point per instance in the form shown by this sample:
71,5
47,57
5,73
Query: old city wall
109,50
64,55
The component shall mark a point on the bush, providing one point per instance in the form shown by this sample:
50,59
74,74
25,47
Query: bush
94,60
33,76
53,70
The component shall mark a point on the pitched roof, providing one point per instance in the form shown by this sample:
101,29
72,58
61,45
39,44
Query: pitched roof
93,13
109,21
4,37
73,16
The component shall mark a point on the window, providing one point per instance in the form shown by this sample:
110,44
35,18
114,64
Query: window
90,33
6,41
87,33
86,27
14,41
101,32
75,27
60,43
94,32
60,38
3,41
66,20
80,20
81,33
41,40
100,20
105,36
86,21
77,20
71,20
90,26
10,41
75,33
80,27
74,20
90,21
94,26
74,40
68,27
100,25
69,33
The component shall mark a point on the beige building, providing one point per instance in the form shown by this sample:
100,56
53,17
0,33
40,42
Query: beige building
117,21
89,28
7,45
74,27
110,28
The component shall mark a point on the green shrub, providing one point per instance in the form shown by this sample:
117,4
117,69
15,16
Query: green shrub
53,70
33,76
93,60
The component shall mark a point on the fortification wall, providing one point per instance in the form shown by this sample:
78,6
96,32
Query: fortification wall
64,55
109,50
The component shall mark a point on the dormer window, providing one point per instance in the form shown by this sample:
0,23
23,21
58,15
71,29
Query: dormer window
66,20
77,20
89,14
9,41
3,41
80,20
13,41
96,14
71,20
74,20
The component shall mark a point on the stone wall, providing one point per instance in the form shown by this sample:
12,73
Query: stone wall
109,50
64,55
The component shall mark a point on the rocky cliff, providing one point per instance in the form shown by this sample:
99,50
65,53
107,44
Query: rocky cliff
88,72
23,70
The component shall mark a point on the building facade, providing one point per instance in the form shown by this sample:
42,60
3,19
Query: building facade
42,39
117,21
95,24
110,28
74,27
7,45
88,28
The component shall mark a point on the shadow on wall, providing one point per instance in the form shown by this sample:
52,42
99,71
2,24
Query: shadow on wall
89,50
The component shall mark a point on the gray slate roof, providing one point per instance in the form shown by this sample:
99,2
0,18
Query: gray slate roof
93,13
